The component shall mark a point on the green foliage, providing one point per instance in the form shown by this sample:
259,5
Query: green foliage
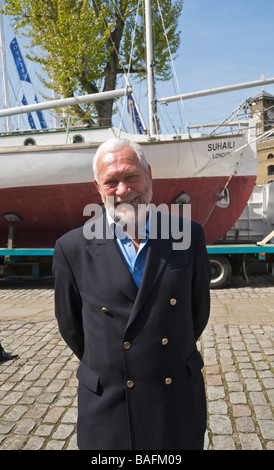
84,44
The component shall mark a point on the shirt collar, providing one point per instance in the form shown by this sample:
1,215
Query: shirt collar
144,231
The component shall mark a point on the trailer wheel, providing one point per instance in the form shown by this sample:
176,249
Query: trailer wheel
220,271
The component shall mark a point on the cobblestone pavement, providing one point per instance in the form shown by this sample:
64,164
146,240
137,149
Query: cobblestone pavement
38,404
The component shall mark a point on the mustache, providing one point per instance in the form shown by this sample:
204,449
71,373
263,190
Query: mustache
125,200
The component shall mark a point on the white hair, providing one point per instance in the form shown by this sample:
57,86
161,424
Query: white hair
115,144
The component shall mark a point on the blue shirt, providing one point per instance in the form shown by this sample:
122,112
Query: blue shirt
135,261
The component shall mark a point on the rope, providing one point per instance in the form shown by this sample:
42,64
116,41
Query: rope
225,187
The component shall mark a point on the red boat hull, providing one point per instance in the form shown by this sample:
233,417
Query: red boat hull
50,211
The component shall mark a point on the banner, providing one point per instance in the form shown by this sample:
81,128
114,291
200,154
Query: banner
19,61
24,76
134,114
42,121
30,118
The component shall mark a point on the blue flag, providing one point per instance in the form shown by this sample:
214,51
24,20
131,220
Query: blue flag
19,61
30,118
134,114
42,121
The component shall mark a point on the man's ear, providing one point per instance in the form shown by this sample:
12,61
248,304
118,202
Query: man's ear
97,186
149,172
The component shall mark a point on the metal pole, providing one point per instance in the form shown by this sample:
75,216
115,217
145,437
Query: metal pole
105,95
4,73
150,81
214,91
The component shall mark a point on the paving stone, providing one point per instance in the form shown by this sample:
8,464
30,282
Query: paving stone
267,428
72,444
270,395
217,407
11,398
6,427
36,411
215,392
47,398
223,443
63,431
247,373
55,445
241,410
34,443
54,414
25,426
16,413
232,377
244,424
235,386
237,397
268,382
44,430
70,416
56,386
253,384
263,412
214,380
13,442
250,441
257,398
220,424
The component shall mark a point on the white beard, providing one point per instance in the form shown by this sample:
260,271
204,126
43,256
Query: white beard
125,214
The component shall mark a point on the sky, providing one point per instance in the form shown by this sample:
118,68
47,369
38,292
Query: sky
223,42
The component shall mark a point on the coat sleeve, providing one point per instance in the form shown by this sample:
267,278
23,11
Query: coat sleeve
200,285
68,303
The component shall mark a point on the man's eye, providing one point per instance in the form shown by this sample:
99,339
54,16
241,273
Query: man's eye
131,178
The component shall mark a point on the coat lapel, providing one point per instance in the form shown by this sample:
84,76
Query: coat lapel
110,259
157,256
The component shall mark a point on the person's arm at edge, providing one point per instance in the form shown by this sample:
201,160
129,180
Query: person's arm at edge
200,284
68,303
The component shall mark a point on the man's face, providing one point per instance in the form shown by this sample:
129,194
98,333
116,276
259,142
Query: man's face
122,176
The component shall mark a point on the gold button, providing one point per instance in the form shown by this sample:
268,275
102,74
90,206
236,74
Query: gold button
168,381
173,301
130,383
105,309
164,341
127,345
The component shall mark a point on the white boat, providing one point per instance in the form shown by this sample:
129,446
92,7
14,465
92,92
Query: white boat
46,176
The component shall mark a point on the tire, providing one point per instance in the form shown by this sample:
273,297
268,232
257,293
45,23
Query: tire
220,271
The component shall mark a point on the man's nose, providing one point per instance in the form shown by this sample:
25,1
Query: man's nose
122,188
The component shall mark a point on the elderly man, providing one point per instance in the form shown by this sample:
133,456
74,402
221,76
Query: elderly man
132,309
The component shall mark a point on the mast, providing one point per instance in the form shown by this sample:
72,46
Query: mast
4,72
150,64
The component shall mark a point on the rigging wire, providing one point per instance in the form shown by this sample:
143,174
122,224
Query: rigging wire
125,73
130,57
173,67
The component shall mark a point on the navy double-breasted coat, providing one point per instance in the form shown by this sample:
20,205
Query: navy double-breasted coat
140,380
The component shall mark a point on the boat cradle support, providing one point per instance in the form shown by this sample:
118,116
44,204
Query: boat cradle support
24,256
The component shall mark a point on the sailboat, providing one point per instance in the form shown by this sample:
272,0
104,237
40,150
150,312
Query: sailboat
46,177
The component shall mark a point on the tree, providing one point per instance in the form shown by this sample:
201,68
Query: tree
84,45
